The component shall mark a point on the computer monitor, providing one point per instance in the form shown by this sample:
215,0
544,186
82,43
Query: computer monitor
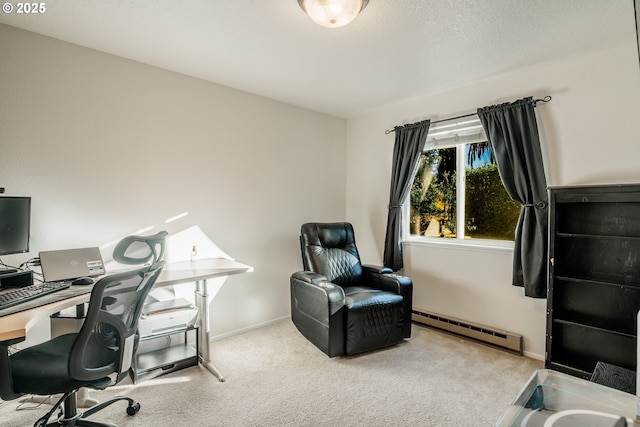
15,221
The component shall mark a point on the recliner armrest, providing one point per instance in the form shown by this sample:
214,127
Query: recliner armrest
318,311
380,278
377,269
315,295
309,277
401,285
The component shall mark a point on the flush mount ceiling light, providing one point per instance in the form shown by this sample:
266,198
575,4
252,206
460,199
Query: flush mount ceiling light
332,13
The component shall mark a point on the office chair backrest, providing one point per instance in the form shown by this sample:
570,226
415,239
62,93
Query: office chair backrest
330,249
140,249
107,338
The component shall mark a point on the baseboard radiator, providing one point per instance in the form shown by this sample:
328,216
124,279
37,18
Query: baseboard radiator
497,337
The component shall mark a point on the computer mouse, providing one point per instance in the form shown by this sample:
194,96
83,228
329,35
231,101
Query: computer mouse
83,281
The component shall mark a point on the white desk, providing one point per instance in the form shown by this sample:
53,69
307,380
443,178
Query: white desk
16,321
15,324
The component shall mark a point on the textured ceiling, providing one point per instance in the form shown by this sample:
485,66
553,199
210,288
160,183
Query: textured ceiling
396,49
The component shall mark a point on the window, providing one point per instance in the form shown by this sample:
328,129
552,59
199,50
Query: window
457,192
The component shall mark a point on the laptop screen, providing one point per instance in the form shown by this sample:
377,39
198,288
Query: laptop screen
69,264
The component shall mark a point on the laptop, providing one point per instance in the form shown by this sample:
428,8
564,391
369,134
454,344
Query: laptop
69,264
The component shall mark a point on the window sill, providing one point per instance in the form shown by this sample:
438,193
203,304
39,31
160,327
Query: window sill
459,244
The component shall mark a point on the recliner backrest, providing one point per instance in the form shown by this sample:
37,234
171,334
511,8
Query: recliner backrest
107,338
330,249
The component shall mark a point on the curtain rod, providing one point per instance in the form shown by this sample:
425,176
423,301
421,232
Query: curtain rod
535,101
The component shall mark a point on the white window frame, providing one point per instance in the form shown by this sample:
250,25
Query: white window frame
449,134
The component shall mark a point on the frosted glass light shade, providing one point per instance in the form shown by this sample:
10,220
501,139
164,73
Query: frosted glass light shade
332,13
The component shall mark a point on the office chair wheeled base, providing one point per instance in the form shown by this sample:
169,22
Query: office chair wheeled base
70,417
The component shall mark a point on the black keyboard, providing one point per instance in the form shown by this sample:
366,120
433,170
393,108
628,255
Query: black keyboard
18,296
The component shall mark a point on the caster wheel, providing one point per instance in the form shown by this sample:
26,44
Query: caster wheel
133,408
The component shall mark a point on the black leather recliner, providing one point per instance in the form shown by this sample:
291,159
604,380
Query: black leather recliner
340,305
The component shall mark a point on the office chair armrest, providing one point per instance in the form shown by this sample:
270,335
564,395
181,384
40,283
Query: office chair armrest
6,379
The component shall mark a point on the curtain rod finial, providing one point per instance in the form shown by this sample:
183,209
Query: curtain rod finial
545,99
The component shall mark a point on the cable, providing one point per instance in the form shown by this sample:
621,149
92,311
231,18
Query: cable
7,265
33,262
22,406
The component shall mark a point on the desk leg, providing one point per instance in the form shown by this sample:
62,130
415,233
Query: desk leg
201,296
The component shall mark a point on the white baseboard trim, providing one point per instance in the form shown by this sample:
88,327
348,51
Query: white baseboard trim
247,329
535,356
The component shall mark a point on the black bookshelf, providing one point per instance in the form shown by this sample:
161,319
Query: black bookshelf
594,277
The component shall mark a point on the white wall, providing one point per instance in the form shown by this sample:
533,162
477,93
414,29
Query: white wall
107,146
590,136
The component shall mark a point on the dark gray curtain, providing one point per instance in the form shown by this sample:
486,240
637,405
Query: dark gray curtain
512,130
409,144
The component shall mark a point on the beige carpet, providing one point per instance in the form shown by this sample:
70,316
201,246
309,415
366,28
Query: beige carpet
277,378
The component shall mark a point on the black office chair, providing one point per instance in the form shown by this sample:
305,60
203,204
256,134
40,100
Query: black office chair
340,305
100,354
